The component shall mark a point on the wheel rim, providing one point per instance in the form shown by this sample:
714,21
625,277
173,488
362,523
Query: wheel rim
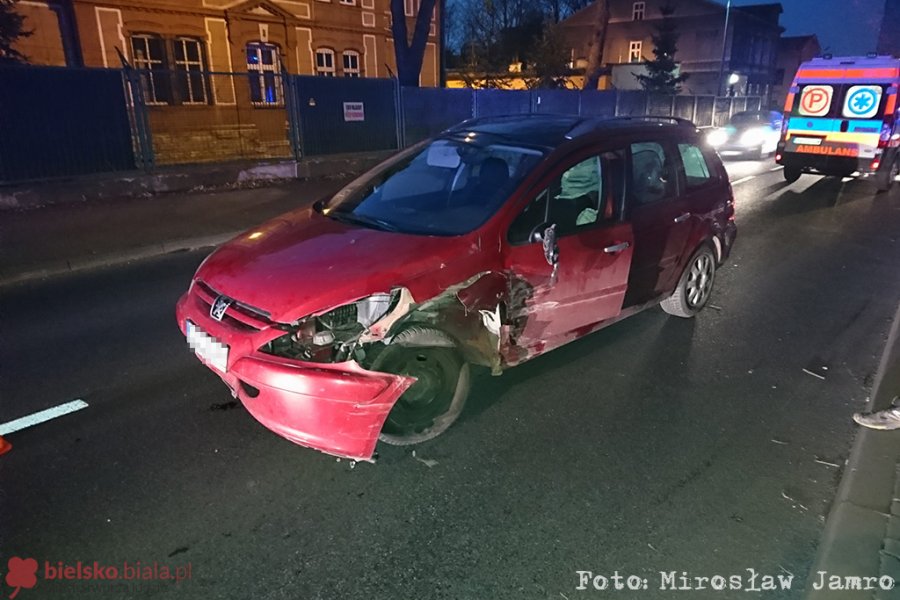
700,280
431,395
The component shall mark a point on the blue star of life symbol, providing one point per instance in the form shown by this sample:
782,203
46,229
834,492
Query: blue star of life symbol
862,101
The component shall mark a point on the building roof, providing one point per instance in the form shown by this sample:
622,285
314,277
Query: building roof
796,43
763,12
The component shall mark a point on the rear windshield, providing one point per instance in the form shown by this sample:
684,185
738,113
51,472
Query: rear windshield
841,101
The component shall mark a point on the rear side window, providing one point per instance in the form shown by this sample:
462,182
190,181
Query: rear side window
652,175
696,170
862,101
815,100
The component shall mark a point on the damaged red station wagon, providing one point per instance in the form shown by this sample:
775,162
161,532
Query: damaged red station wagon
358,318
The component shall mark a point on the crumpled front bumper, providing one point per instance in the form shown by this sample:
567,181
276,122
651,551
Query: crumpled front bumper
338,408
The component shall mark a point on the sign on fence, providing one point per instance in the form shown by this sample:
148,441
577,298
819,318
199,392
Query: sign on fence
354,111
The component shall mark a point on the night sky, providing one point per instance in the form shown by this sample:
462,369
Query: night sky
844,27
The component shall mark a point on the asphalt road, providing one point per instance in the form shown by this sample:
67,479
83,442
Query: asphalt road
658,444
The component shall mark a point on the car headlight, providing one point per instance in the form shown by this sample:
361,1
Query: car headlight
753,137
325,337
717,137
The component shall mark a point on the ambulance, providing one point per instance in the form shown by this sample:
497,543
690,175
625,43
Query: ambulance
841,119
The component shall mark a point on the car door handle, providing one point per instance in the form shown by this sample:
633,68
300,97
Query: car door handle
683,218
616,248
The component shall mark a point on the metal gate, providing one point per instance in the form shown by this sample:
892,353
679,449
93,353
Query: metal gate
58,122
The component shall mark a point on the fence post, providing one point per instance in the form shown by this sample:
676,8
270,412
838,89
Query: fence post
140,119
694,112
672,109
292,107
579,92
398,112
616,109
474,103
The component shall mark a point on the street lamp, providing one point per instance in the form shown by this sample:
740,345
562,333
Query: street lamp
733,80
724,47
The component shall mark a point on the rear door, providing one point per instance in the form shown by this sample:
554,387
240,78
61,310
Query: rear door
661,219
581,201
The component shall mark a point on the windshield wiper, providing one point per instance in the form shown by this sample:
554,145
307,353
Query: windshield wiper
363,220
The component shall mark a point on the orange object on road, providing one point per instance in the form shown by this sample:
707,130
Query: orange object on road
4,446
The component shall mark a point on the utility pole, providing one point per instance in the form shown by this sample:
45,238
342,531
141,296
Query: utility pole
724,48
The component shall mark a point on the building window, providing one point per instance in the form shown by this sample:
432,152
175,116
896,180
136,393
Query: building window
634,51
409,8
351,63
637,11
190,81
264,74
148,53
348,2
325,62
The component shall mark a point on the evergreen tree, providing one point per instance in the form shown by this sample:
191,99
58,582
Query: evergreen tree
660,77
549,64
11,29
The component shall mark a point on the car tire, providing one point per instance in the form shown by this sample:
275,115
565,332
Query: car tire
436,399
884,178
694,287
792,174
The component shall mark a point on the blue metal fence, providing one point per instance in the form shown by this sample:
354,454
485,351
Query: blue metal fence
428,111
346,114
61,122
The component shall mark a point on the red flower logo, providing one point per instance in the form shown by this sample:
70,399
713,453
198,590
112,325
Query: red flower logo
22,574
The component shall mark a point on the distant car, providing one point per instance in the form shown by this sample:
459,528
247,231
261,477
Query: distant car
499,240
750,134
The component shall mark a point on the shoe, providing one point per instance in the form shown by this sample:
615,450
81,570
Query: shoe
883,420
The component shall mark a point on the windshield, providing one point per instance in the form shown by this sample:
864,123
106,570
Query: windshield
744,119
450,187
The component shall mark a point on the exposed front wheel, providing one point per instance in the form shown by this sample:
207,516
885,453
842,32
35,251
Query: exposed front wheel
437,397
792,174
694,287
884,178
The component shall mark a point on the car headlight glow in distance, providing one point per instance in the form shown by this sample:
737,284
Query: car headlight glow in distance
753,137
717,137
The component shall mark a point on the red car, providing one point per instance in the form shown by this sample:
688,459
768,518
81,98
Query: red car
357,319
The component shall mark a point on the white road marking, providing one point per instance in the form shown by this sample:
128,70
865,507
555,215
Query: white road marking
743,179
42,416
778,168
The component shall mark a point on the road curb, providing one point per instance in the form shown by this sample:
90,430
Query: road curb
864,510
119,258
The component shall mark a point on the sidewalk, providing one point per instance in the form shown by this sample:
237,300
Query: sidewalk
72,236
181,179
862,533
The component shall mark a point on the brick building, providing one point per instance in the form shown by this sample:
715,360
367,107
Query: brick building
327,37
889,38
792,52
186,49
750,43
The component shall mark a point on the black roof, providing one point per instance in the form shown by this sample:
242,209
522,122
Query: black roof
552,130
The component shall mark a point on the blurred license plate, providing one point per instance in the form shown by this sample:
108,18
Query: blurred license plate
209,349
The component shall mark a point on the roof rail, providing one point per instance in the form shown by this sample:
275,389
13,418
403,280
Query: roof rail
590,125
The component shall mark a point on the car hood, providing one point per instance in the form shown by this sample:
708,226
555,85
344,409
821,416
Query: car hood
302,263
